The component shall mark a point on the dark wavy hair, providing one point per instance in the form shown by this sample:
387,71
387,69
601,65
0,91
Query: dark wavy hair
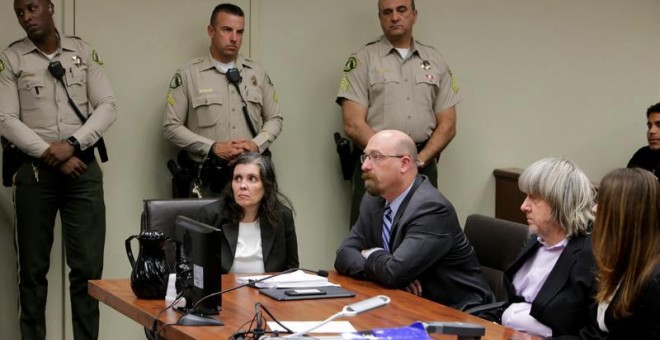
653,109
273,201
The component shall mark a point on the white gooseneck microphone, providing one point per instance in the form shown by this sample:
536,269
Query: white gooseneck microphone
350,310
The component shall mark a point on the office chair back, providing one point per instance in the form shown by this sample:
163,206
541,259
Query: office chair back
496,243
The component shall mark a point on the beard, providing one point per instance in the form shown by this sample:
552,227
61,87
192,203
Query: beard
371,184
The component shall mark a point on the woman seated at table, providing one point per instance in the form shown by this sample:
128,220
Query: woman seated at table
626,243
550,284
256,220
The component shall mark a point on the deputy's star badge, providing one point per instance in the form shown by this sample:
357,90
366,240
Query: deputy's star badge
426,65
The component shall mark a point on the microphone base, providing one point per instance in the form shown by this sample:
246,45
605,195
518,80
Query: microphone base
198,320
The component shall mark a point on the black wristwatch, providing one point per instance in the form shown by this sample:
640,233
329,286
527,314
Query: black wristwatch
74,142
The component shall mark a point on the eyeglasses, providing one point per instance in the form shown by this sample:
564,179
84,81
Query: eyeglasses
377,158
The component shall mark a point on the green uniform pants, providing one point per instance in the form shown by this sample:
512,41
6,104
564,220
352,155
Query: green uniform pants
38,198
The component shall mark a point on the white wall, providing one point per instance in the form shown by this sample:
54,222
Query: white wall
540,78
543,78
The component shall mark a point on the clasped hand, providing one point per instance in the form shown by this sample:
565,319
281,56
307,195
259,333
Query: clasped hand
59,155
73,167
232,149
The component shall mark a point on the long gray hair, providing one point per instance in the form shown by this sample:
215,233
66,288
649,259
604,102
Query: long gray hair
567,190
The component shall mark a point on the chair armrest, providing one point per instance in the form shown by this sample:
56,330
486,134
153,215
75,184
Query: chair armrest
485,308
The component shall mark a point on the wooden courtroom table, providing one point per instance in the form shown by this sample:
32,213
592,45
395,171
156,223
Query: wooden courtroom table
238,308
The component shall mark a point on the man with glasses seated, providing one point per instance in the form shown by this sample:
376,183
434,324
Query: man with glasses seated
407,235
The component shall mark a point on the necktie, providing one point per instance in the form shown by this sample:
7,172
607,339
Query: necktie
387,227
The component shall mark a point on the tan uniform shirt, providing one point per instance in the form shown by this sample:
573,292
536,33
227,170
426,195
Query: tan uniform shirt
400,94
34,109
203,107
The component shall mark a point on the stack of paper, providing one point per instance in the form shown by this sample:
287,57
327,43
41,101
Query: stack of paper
295,279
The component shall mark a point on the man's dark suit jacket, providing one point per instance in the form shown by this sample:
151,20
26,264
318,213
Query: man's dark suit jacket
564,299
644,322
427,244
279,243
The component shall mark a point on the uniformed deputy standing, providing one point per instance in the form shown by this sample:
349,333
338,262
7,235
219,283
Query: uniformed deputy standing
204,111
59,171
398,83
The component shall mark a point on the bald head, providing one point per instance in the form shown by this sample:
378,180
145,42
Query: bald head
398,142
390,166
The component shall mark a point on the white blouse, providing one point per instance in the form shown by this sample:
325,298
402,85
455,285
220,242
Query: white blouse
602,308
249,257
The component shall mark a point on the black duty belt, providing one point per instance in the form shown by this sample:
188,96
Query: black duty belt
85,156
419,147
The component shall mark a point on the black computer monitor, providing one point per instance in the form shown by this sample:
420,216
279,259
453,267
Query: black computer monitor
198,267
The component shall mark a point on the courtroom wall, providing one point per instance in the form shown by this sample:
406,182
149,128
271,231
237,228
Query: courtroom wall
539,78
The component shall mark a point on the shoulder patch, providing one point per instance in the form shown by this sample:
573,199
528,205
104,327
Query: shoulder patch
351,64
96,58
2,66
176,81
